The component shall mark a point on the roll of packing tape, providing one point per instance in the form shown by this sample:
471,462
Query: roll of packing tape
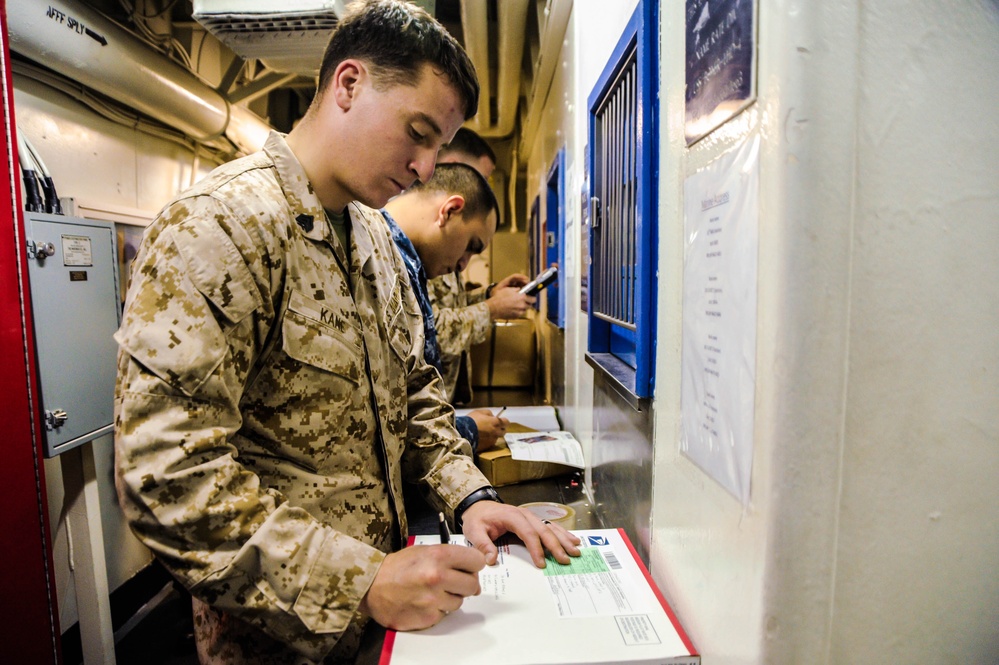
558,513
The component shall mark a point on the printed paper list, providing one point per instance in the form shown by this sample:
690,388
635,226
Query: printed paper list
719,317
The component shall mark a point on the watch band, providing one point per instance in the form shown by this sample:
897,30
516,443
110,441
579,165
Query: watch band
487,493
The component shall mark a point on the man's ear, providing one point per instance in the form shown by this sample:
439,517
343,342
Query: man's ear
453,205
345,82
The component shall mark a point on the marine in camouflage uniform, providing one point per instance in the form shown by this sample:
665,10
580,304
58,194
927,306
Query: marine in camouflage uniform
462,319
272,397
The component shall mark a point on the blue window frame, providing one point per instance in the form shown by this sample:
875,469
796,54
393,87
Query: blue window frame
555,238
623,144
535,251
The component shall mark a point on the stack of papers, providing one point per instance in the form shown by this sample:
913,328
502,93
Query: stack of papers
543,441
557,447
541,418
602,608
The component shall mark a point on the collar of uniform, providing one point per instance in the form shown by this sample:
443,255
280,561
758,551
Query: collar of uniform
361,219
405,245
298,190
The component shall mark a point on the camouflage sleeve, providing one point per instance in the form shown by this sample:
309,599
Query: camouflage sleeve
436,454
475,297
197,313
458,327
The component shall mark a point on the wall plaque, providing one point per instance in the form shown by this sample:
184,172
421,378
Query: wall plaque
721,68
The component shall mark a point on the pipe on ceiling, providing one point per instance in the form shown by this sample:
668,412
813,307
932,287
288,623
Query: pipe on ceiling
554,24
82,44
512,26
475,27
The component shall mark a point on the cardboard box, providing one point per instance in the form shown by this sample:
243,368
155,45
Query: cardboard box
501,469
508,361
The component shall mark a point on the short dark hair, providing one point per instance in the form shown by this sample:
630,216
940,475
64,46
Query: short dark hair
469,143
466,181
396,39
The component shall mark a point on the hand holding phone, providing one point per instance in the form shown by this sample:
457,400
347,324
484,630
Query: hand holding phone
541,281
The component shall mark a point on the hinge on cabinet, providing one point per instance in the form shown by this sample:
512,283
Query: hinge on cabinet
594,212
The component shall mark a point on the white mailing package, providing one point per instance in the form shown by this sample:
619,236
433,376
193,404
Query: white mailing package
603,608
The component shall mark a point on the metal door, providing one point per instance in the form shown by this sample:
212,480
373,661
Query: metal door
73,274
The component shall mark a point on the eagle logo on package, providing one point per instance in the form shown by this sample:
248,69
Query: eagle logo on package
597,541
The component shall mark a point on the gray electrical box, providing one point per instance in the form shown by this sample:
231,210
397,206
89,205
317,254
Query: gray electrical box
73,275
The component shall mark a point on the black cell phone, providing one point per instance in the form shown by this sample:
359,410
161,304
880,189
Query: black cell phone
533,287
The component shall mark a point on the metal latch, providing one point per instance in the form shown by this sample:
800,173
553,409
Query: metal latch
55,419
594,212
40,250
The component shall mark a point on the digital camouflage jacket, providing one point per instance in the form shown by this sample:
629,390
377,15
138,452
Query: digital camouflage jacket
271,400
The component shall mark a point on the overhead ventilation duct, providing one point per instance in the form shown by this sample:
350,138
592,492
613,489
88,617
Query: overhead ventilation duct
475,28
285,35
511,29
553,29
83,45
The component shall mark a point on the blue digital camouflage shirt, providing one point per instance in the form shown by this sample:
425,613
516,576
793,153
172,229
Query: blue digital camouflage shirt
431,349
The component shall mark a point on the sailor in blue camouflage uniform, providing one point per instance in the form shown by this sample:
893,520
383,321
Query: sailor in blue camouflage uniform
438,226
431,351
272,392
462,318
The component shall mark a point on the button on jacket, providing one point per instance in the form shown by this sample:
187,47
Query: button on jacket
271,399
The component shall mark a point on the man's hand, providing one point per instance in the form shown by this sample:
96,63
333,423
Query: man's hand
516,280
490,427
485,521
417,586
508,303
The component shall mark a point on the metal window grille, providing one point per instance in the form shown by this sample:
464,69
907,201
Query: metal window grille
622,159
616,206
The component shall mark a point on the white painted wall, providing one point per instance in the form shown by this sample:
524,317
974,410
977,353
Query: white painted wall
109,167
919,517
872,529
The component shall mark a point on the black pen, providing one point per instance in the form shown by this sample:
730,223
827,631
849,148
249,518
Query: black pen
501,412
445,533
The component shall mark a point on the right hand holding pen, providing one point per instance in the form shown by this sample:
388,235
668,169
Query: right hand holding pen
490,427
509,303
416,587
